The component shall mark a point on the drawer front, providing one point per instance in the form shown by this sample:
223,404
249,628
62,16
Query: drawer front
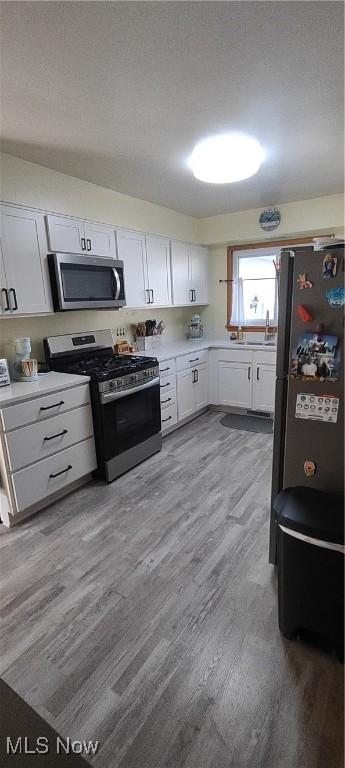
35,483
168,398
191,360
267,357
167,382
167,367
44,407
169,417
37,441
233,355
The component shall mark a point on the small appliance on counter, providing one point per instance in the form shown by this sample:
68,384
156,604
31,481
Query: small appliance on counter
195,331
23,367
4,373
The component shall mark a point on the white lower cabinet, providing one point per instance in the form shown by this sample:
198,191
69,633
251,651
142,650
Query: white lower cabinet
234,384
41,454
264,385
244,379
192,390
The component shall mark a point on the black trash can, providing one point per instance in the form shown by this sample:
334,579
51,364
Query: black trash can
311,566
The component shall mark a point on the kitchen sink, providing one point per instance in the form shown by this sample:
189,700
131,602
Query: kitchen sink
257,343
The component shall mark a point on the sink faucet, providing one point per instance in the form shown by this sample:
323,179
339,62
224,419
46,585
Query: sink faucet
268,334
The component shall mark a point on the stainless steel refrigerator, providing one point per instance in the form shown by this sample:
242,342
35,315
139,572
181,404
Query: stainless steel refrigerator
309,400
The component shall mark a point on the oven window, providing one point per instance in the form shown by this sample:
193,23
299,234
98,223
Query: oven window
131,420
82,282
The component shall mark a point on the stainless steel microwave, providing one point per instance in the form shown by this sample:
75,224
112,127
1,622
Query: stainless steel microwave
86,282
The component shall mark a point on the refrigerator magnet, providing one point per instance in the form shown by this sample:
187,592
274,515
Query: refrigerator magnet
303,282
304,313
336,297
309,468
329,266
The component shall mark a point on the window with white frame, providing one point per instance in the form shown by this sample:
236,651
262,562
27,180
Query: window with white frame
254,287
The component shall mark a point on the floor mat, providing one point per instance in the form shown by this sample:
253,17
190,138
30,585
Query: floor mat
247,423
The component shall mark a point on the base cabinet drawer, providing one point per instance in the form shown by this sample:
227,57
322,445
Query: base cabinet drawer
191,360
37,441
169,417
39,408
167,367
39,481
168,398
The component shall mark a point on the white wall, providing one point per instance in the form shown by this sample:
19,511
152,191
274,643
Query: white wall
32,185
175,319
320,215
38,187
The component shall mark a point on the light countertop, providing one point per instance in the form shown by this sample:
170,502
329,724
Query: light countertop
177,348
19,391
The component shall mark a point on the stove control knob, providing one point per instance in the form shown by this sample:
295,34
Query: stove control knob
113,384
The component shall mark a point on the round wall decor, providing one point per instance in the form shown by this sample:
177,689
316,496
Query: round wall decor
270,219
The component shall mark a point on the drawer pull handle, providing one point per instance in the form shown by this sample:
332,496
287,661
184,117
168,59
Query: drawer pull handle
168,419
62,471
166,401
165,385
48,407
59,434
165,369
195,360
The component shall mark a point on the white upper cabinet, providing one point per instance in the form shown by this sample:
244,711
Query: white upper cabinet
199,273
77,236
147,268
100,240
158,271
189,272
131,248
65,235
181,292
24,270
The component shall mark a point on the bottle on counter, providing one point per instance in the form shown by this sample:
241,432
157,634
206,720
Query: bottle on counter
240,333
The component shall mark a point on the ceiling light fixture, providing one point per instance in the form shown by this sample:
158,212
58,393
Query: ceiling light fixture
226,158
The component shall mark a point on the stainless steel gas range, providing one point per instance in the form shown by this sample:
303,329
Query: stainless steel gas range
125,397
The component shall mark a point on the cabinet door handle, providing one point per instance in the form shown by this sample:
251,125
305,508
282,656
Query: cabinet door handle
83,244
167,419
148,299
48,407
153,298
88,244
258,374
14,298
191,295
165,385
62,471
59,434
166,401
165,369
194,360
248,372
194,294
5,291
196,375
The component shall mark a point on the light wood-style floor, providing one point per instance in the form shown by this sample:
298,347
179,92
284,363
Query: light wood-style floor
144,614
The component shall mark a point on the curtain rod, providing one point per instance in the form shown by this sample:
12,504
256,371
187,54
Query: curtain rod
246,279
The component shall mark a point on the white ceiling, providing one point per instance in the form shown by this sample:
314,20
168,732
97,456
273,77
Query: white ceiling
117,93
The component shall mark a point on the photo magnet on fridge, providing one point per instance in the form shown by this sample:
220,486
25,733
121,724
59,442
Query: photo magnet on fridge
329,266
303,282
315,358
309,468
336,297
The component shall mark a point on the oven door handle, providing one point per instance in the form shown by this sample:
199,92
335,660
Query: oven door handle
109,396
117,281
